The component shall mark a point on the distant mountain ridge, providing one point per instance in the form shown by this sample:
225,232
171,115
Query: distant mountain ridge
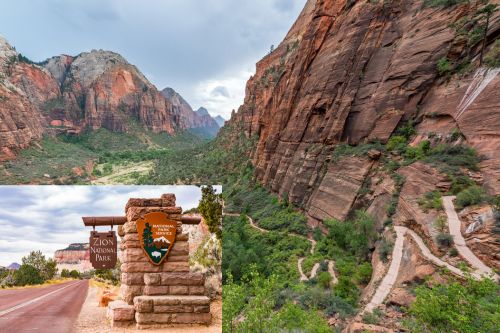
199,119
14,266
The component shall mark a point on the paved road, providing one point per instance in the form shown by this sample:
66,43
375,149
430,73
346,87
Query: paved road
52,309
462,248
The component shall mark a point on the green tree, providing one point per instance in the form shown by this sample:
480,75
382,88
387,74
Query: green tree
27,275
486,12
210,207
469,307
74,274
65,273
46,268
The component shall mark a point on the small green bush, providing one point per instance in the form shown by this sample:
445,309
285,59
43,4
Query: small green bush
431,200
471,196
444,239
492,58
324,279
443,3
397,143
444,66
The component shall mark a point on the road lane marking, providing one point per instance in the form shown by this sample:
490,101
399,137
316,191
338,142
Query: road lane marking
22,305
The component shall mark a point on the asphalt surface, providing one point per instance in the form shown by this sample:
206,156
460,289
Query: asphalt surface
52,309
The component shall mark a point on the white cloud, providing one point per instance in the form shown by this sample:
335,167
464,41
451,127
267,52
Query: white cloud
222,95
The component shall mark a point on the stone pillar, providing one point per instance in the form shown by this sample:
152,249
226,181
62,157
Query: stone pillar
162,295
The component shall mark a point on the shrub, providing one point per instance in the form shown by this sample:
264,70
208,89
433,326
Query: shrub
470,196
27,275
397,143
492,58
74,274
431,200
444,239
363,273
444,67
346,290
385,249
443,3
324,279
468,307
65,273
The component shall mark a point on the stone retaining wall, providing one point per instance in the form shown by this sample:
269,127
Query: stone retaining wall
163,295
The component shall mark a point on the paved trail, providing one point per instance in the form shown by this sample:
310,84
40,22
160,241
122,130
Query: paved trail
462,248
51,309
390,278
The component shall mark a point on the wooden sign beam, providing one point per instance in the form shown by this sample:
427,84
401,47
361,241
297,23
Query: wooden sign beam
120,220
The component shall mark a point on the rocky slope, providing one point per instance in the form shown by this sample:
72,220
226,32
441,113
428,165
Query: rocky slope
66,94
352,73
187,117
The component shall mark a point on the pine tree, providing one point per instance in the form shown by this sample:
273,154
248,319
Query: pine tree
210,207
147,236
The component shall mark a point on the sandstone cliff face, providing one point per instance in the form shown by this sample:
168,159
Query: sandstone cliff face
20,121
75,256
351,73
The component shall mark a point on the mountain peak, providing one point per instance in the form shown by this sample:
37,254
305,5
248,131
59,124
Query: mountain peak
220,120
202,112
14,265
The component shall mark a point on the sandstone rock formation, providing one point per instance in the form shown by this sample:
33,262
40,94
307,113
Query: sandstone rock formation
75,257
72,94
351,72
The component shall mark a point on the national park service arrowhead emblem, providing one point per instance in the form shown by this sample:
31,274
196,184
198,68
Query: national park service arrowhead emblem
156,236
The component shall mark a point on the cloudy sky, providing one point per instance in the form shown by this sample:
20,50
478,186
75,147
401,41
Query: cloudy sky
204,49
48,218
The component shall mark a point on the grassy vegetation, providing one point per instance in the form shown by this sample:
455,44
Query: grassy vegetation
444,3
469,307
431,200
54,159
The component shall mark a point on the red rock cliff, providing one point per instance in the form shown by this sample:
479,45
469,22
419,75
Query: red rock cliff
351,71
97,89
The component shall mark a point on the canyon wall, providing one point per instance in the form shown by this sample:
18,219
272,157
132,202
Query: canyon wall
352,72
73,94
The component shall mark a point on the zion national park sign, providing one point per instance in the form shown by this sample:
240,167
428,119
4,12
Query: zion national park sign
156,236
103,252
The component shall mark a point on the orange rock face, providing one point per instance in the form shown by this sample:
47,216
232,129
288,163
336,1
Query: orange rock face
352,74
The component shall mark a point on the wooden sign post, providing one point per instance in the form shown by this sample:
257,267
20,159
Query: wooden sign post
103,249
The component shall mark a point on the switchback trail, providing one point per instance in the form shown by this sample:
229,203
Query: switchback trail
314,270
390,278
455,230
51,309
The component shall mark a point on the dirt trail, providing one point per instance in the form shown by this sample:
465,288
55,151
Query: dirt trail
314,270
462,248
122,173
